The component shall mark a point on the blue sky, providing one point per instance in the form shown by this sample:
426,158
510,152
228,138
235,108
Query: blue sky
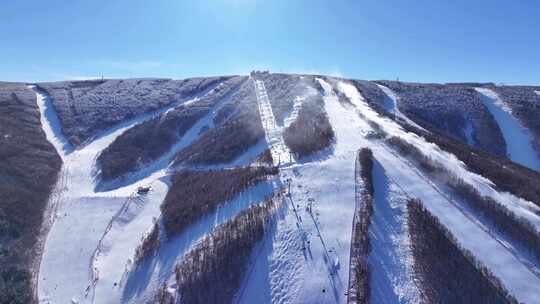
428,41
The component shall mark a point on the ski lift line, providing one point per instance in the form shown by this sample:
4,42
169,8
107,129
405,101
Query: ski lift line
319,234
94,273
273,136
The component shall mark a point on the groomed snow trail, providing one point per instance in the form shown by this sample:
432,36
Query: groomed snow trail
307,257
280,152
391,257
143,281
513,273
52,128
51,124
518,138
91,229
391,104
519,206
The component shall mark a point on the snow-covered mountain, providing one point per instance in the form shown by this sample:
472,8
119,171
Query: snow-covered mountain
269,188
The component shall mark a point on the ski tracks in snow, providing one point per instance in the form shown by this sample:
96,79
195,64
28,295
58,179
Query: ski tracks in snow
79,221
513,272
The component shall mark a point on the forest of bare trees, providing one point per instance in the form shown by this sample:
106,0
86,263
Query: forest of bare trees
29,167
147,141
194,194
231,136
507,175
213,270
499,217
359,283
149,244
311,131
448,273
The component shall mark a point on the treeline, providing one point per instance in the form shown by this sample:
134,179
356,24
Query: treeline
373,95
507,175
194,194
151,139
87,107
147,141
447,272
213,271
164,296
523,101
311,131
237,128
265,158
499,216
222,144
448,109
359,282
29,167
149,244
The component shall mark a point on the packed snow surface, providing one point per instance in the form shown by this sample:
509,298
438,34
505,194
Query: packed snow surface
94,234
143,281
51,123
515,275
391,257
304,258
518,138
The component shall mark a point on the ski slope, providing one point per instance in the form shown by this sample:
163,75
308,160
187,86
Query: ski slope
291,270
143,281
391,105
51,123
515,275
305,257
391,257
518,138
93,235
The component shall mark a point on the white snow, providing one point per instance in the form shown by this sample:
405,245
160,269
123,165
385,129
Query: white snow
469,133
285,273
518,138
81,219
94,234
120,240
537,93
291,270
391,257
305,258
298,101
144,280
51,124
391,104
506,264
518,205
280,152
